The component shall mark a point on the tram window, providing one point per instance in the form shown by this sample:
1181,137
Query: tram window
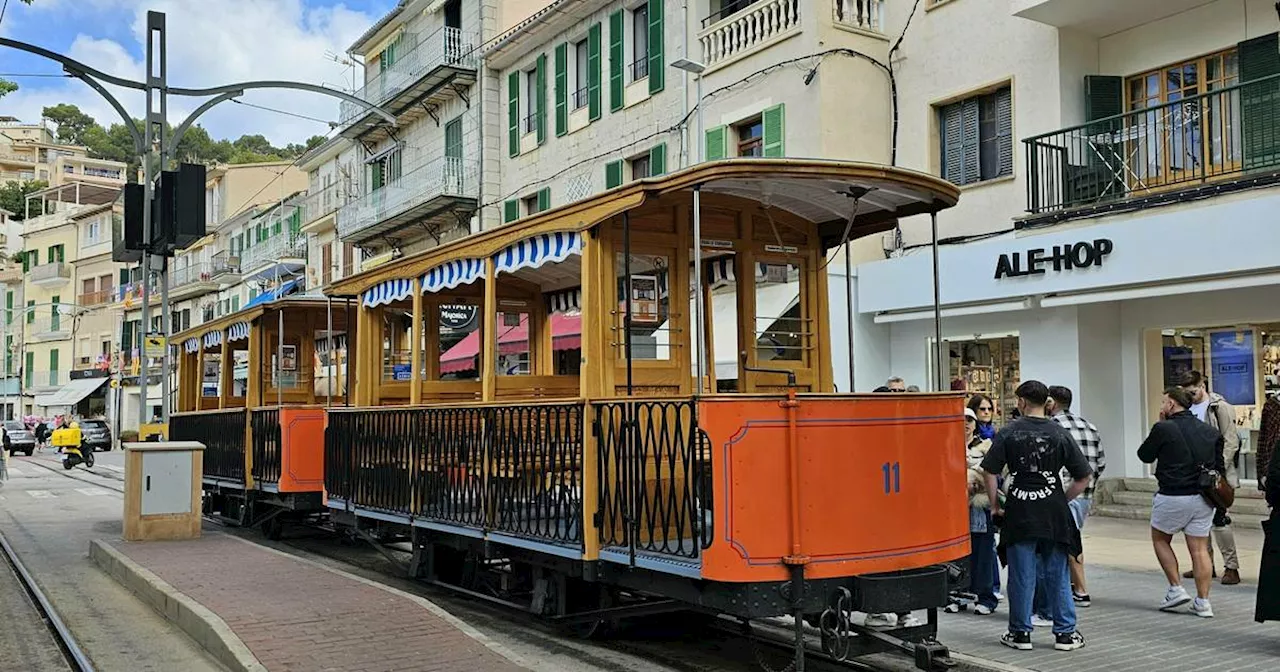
650,303
781,325
459,339
397,327
240,374
212,378
513,343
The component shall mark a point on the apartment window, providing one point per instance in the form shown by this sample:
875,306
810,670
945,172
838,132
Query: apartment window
31,312
87,288
326,263
55,315
580,54
56,253
977,137
529,204
106,284
531,101
93,233
750,137
639,167
640,43
106,347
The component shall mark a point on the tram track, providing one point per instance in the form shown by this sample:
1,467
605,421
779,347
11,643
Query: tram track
71,651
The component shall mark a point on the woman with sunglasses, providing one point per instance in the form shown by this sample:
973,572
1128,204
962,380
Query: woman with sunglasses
985,409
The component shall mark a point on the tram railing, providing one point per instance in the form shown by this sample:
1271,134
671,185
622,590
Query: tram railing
264,426
221,432
512,469
654,471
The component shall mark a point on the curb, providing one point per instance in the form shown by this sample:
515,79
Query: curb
201,624
435,609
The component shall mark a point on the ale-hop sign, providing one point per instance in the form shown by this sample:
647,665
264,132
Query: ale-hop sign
1038,261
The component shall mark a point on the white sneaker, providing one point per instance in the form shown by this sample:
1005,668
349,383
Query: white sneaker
910,621
1202,608
1174,598
999,596
881,620
1041,622
982,610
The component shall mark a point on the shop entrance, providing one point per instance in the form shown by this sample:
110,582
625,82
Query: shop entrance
987,364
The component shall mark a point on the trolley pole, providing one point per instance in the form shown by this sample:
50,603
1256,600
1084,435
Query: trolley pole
937,307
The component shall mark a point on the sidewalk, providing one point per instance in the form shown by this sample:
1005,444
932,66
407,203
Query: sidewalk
291,614
1123,628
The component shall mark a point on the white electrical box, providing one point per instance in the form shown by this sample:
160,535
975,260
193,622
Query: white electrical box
166,483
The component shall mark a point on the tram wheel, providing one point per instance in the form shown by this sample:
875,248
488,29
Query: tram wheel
582,596
273,528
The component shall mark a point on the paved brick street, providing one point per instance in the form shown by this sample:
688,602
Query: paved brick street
1123,628
296,616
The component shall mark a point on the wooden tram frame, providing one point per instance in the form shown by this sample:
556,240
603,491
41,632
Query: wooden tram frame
626,433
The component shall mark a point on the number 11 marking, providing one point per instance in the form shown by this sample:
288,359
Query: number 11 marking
896,482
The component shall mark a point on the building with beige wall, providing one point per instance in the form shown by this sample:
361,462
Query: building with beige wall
32,152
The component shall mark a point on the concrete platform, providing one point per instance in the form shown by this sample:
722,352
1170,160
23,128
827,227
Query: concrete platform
258,609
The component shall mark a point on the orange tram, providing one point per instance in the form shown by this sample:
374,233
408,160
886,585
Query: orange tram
577,414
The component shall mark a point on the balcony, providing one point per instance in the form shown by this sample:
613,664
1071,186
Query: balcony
47,328
753,26
225,268
282,255
18,159
1212,142
319,204
193,280
50,275
433,193
10,273
97,298
429,72
1099,18
865,15
45,381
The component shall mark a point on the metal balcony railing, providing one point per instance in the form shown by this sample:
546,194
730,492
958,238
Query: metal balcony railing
442,176
179,277
224,262
1215,136
445,47
322,201
285,245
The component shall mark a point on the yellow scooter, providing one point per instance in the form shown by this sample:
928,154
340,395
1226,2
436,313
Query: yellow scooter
71,442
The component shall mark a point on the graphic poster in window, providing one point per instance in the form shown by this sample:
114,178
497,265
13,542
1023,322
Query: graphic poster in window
289,358
644,299
1231,357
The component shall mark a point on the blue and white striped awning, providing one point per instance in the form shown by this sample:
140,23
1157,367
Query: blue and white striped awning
213,339
564,300
238,332
191,345
453,273
387,291
538,250
324,345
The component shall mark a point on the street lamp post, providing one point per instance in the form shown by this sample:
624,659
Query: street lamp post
699,317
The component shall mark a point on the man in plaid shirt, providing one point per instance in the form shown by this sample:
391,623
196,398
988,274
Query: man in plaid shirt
1086,436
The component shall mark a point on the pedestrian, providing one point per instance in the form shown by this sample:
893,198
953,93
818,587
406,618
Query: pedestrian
1090,442
1267,607
1183,448
42,433
1268,435
1214,410
982,406
1037,526
4,458
982,544
913,388
896,384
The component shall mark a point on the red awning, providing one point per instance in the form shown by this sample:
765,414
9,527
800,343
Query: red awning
566,334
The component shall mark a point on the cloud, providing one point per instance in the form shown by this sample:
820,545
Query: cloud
209,44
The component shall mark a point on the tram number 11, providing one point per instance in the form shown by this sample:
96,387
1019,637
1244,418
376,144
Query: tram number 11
892,477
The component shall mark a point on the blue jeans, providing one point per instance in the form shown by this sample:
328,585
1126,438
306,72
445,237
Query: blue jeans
1040,604
982,557
995,568
1024,566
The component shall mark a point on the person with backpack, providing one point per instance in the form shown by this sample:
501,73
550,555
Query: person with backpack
1183,448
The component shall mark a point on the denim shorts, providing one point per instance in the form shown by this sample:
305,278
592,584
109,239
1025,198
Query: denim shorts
1188,514
1080,510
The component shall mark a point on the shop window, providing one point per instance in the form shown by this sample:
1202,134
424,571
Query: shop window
459,339
397,357
650,307
781,327
976,137
990,366
513,342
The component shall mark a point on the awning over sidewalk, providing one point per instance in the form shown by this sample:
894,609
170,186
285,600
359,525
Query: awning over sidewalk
71,393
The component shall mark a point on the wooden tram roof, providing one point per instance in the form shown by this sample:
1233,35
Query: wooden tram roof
816,190
250,314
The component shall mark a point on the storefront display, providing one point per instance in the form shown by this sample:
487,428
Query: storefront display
988,366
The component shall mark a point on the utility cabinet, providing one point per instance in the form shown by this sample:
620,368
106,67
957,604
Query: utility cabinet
162,490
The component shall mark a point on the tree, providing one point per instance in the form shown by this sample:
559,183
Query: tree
6,87
13,197
72,123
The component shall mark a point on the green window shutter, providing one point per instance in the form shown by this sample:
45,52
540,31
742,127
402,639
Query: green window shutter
124,277
453,138
31,313
513,114
1103,97
31,369
62,253
658,160
715,143
1259,101
8,355
235,303
53,364
376,178
544,199
593,72
616,66
51,255
8,307
55,318
541,101
612,174
510,211
774,121
562,88
657,76
26,261
34,257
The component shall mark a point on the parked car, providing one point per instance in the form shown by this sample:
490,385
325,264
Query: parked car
17,438
97,435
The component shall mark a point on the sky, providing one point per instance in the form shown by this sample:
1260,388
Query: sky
210,43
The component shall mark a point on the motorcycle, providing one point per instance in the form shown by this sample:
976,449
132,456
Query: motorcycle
71,456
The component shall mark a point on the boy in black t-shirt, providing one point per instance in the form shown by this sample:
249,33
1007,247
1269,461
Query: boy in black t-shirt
1038,526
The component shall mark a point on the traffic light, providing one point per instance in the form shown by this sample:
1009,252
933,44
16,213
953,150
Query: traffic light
177,214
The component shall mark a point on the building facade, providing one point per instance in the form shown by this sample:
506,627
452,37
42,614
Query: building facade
1119,166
